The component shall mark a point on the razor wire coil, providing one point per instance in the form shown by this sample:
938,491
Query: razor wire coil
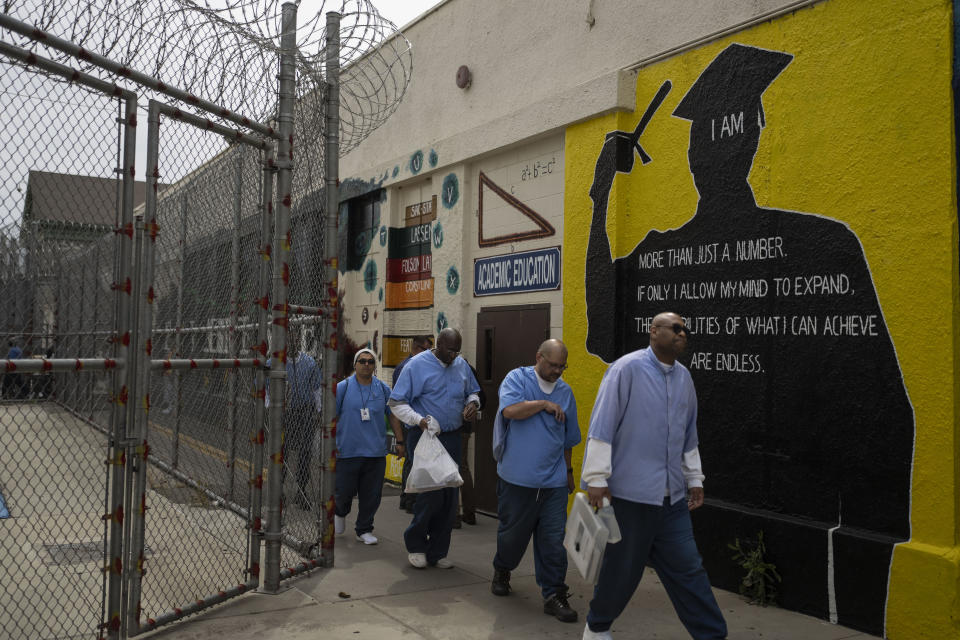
226,53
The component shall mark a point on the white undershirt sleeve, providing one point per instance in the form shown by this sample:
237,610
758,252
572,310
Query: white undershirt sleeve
404,412
692,469
597,463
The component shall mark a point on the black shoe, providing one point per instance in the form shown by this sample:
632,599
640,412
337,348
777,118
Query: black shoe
469,518
558,607
500,586
456,523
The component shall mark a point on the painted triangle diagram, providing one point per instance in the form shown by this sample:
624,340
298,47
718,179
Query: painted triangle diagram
542,228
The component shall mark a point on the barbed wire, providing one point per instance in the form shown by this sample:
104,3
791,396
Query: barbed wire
226,52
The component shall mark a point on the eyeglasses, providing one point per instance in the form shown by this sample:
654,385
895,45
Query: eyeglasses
561,367
677,328
366,361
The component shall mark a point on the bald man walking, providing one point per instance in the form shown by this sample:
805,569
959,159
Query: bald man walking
536,432
643,455
435,383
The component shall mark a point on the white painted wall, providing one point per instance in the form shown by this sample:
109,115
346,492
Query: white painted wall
512,170
538,65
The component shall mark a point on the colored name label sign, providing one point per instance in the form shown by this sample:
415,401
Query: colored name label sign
412,268
409,241
412,294
517,272
421,212
395,349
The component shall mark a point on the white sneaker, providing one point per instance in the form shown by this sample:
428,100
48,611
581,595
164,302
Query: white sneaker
367,538
595,635
418,560
443,563
339,525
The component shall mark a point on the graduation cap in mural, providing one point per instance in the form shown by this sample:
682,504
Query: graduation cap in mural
733,82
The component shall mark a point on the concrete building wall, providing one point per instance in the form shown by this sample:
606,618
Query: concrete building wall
536,66
802,154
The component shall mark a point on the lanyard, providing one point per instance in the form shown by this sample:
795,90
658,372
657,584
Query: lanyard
364,401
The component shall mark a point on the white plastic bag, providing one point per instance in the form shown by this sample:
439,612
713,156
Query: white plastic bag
432,468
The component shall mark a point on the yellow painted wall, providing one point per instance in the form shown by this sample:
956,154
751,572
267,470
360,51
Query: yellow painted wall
860,129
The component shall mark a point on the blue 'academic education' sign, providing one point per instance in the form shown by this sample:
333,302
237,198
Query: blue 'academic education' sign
517,272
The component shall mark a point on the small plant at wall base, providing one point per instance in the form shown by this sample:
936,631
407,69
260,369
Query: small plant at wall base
759,582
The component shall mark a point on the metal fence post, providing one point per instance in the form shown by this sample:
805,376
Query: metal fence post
281,278
134,357
330,343
178,335
263,319
232,337
118,417
149,231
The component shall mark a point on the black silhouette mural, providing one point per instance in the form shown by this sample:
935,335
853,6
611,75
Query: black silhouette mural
805,425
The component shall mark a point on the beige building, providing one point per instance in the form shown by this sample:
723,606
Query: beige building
781,173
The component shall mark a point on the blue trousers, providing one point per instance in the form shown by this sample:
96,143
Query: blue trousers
542,513
663,537
361,477
434,512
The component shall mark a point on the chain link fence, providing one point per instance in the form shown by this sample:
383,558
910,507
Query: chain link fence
200,425
59,261
142,464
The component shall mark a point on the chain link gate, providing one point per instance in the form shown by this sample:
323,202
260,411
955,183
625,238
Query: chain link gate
63,326
209,329
194,502
144,315
90,524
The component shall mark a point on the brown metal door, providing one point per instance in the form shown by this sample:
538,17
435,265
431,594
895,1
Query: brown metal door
507,338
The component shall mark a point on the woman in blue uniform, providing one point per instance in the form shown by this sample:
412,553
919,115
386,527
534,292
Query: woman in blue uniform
361,445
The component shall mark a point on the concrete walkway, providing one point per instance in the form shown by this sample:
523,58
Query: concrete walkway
52,475
372,593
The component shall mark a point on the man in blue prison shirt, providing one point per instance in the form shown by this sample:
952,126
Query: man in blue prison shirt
435,383
536,475
642,454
